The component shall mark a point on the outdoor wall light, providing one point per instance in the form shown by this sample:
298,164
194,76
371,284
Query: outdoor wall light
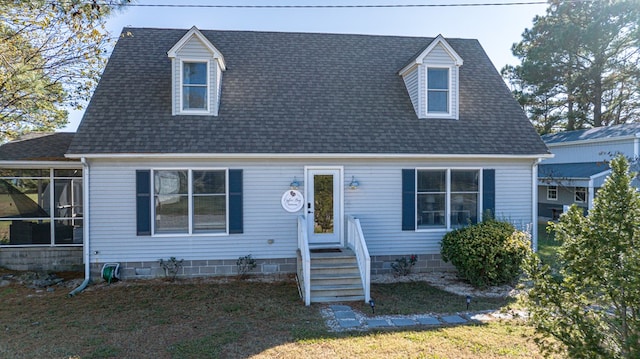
354,184
294,184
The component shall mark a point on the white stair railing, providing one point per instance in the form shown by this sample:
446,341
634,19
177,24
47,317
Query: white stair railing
304,266
356,242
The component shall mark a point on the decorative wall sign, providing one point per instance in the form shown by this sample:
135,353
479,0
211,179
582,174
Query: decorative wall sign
292,201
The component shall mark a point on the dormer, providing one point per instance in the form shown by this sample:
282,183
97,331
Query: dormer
431,79
196,72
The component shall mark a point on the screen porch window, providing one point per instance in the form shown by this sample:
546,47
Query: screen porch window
41,207
190,201
194,86
437,90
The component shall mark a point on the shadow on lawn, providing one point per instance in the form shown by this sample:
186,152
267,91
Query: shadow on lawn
186,319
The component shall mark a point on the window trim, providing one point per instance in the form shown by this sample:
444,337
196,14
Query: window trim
447,227
207,109
190,230
575,194
449,112
549,191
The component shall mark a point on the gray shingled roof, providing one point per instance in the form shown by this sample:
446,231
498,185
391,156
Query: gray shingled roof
624,130
37,147
571,170
299,93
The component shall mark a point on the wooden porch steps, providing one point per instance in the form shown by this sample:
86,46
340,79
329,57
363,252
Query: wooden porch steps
335,276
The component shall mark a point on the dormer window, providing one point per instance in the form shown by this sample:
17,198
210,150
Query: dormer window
194,86
437,90
196,73
432,80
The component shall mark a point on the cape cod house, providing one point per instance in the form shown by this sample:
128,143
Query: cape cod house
293,148
580,165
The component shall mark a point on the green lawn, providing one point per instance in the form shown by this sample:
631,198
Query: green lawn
548,247
238,319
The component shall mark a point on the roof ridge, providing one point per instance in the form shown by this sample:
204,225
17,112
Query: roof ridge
300,33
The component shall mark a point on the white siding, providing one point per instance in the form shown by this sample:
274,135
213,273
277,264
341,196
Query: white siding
194,48
514,194
590,152
412,84
439,57
377,203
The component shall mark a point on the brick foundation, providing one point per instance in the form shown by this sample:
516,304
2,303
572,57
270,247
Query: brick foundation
54,259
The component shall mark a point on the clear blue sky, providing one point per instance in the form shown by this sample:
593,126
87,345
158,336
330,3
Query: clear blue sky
496,27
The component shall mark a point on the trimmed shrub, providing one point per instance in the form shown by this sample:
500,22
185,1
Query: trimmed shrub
487,253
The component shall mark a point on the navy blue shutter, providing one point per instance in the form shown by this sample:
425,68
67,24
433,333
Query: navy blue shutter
489,192
235,201
143,202
408,199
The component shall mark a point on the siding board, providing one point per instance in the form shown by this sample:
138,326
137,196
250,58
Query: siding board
590,152
377,203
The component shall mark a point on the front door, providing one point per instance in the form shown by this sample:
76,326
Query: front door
324,206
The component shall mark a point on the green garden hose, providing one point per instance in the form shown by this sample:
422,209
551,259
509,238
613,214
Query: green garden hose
110,272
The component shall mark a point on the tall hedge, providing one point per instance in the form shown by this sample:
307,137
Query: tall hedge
488,253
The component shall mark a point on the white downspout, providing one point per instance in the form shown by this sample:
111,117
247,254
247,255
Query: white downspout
534,207
85,229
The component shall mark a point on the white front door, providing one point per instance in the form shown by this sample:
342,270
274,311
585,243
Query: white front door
324,206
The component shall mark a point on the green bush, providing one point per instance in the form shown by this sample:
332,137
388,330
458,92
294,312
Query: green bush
488,253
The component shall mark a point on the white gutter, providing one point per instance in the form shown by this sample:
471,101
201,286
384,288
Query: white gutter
40,164
534,206
85,229
300,155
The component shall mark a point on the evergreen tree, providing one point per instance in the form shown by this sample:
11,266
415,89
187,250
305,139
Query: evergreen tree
592,304
580,65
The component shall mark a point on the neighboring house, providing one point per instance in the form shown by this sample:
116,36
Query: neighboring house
211,145
580,165
40,204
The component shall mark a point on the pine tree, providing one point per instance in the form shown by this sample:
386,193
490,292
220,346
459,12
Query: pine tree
591,304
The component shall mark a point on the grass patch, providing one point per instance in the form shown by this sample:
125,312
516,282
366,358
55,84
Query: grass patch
238,319
548,248
419,297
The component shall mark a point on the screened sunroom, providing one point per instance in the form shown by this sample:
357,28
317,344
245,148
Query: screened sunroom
41,206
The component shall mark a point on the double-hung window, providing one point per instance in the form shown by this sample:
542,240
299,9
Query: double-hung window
195,86
552,193
437,90
447,198
190,201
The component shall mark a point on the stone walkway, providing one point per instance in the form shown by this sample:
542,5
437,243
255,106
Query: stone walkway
343,317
